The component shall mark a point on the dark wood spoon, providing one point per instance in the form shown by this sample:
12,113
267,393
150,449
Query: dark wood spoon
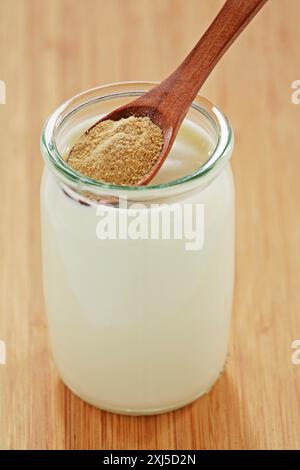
167,103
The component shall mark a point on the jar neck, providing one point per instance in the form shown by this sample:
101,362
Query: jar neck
93,103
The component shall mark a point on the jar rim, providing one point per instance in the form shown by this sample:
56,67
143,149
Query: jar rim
213,165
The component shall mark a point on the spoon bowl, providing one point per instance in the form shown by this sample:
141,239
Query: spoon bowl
139,108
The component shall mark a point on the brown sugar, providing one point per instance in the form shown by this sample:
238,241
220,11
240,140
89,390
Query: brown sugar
118,152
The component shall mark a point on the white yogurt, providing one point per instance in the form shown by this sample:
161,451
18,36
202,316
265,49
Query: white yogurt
140,326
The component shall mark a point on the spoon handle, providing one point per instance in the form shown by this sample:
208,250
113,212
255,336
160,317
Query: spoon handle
183,84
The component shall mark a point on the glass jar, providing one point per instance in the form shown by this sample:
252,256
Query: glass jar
137,325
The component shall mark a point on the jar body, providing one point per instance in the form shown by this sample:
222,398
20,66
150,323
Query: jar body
138,326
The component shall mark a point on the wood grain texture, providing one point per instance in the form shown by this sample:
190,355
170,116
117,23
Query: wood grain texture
52,50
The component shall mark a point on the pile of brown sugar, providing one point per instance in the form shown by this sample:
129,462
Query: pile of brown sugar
118,152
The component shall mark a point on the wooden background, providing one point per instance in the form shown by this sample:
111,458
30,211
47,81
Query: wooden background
50,50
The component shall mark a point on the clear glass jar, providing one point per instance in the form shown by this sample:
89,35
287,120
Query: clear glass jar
137,326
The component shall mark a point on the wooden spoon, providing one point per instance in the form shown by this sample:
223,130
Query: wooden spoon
168,103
